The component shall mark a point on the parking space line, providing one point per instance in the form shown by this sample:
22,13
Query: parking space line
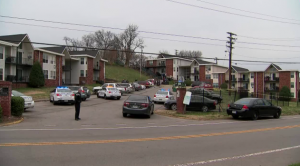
147,139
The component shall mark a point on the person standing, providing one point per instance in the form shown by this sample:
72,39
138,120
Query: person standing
77,104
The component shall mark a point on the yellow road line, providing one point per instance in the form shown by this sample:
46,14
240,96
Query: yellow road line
146,139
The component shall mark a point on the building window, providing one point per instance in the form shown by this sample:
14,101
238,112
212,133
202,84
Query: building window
151,63
208,76
252,84
53,75
52,60
252,75
81,73
216,76
292,85
1,52
45,58
177,69
174,68
45,74
82,61
86,73
216,85
207,68
292,94
1,74
292,75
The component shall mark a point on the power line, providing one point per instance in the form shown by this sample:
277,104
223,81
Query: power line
242,15
271,39
265,58
246,11
54,27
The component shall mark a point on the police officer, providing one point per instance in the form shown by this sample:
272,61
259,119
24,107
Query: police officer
77,104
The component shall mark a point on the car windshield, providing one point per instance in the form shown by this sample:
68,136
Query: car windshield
162,93
74,88
112,89
16,93
63,90
244,101
137,98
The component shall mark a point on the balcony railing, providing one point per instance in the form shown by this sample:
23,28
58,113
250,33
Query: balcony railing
13,78
96,78
161,64
243,80
272,89
95,67
276,79
19,61
233,80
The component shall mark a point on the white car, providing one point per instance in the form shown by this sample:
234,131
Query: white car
162,95
28,102
62,95
109,93
122,89
143,87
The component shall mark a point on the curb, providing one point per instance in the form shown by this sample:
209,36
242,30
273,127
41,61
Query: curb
12,123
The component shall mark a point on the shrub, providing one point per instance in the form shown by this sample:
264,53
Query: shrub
1,112
36,77
188,82
224,86
17,106
285,94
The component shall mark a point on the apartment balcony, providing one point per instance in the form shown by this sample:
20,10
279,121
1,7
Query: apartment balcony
19,61
243,80
66,68
269,79
272,89
232,80
96,79
96,68
13,78
196,72
156,65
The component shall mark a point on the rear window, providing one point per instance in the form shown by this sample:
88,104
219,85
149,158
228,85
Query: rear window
162,93
112,89
137,98
243,101
16,93
63,90
74,87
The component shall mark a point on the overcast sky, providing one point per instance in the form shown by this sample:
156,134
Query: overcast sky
168,17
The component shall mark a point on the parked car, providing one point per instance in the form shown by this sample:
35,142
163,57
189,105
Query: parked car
152,81
125,81
162,95
87,91
122,89
62,95
143,87
138,105
146,83
207,93
137,86
109,93
253,108
83,93
201,84
96,89
198,103
28,102
129,87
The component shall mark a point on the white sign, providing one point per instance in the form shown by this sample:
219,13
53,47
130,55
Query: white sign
178,94
187,98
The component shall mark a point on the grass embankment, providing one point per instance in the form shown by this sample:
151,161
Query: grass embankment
120,73
298,164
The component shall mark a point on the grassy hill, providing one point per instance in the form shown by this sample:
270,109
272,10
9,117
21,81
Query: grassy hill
119,73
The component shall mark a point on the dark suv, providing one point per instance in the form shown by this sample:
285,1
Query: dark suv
206,93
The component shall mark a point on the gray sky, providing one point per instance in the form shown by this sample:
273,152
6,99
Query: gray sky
167,17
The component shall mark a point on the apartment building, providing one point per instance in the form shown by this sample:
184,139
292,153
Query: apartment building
239,78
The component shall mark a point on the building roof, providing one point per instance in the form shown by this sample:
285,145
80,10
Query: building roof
239,69
200,61
276,66
59,50
16,39
92,53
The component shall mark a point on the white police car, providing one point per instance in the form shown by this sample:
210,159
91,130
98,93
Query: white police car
162,95
62,95
109,92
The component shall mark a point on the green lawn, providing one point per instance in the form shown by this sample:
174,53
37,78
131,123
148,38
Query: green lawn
119,73
36,93
298,164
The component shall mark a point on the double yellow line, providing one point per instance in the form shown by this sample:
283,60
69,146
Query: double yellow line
145,139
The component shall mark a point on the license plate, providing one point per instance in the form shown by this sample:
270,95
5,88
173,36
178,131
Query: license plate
234,112
29,104
134,106
66,100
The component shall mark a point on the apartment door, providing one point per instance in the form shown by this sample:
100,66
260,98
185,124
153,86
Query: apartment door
244,77
273,76
272,86
19,57
19,74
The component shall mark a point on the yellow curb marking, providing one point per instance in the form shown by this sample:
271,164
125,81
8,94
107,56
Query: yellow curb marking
146,139
12,123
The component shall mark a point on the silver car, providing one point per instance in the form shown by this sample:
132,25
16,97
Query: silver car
162,95
28,102
109,93
62,95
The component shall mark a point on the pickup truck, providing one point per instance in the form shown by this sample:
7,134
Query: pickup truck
122,89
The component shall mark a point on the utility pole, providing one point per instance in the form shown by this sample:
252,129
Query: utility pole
176,52
216,59
231,43
142,47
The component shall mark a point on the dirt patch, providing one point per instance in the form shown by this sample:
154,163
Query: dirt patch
34,92
10,120
210,116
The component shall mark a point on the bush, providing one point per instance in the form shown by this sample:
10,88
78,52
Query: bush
188,82
285,94
1,112
224,86
36,77
17,106
101,82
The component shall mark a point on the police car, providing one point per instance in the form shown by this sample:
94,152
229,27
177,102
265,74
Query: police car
109,92
162,95
62,95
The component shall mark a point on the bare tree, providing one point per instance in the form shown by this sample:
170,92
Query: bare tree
130,41
163,52
192,54
73,44
88,41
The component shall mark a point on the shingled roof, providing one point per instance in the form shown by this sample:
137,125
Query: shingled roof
92,53
59,50
239,69
16,39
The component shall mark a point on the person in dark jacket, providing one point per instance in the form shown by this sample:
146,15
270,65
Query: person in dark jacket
77,104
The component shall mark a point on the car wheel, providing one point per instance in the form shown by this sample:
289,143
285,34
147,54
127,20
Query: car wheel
118,98
152,110
124,115
174,107
105,97
235,116
204,108
255,115
84,99
98,96
276,115
148,116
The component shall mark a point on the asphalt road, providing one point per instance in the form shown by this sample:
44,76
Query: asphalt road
49,135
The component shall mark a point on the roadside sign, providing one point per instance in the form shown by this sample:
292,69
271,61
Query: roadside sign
187,98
